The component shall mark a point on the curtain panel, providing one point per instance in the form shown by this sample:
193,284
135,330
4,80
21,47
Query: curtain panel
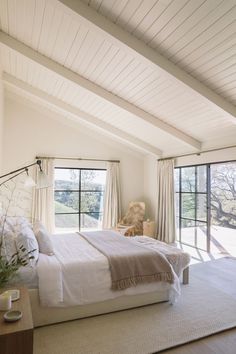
43,199
166,228
112,204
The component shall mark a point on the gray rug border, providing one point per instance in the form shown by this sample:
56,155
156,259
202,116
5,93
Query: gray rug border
194,340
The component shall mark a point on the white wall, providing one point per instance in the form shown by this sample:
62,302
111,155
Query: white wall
214,156
30,131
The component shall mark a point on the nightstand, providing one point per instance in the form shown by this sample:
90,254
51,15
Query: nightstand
17,337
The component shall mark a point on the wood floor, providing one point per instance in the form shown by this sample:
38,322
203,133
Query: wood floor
221,343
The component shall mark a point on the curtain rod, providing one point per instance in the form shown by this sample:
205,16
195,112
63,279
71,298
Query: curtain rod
75,158
197,153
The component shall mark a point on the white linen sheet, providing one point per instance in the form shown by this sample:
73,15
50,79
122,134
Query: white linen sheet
79,274
49,280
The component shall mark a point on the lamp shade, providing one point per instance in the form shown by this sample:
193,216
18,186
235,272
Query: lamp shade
42,181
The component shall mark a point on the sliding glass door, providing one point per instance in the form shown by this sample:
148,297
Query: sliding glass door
206,205
192,205
223,207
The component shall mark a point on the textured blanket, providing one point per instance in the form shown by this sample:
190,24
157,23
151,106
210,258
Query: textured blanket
130,263
176,257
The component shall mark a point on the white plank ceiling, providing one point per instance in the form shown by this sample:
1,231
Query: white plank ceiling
198,36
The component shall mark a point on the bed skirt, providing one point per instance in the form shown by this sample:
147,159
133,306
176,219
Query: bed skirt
48,315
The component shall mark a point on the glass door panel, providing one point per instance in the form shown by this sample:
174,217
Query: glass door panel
187,228
206,206
201,235
187,181
201,207
223,206
188,205
191,205
202,178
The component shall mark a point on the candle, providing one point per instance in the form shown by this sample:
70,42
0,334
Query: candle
5,302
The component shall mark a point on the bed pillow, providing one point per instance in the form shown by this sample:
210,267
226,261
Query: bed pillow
8,249
27,240
16,223
44,239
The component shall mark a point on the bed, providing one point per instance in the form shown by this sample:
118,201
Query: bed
75,282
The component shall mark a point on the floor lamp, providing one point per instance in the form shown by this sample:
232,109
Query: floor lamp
42,179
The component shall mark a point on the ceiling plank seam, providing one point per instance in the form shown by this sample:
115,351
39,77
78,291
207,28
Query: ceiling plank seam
77,114
100,92
140,50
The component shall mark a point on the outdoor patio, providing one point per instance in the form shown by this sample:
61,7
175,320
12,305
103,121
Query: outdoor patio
223,243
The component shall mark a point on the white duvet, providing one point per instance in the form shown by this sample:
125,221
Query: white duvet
79,274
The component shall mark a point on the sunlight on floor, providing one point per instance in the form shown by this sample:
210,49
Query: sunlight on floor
223,243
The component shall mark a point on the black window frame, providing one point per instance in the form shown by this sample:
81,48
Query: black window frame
79,190
195,220
208,189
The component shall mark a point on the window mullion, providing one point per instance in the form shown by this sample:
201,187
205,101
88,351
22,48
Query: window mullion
208,207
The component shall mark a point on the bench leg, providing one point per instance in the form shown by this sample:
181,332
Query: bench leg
186,276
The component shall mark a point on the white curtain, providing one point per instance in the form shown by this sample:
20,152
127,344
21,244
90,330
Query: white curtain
43,199
166,229
112,205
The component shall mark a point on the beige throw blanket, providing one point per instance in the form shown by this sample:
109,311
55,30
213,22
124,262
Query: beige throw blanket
130,263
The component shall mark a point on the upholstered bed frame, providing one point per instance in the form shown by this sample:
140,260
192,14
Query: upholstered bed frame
47,315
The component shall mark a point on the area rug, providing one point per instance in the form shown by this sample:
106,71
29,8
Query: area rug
202,309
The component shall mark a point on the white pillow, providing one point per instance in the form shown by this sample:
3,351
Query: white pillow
16,223
27,240
44,239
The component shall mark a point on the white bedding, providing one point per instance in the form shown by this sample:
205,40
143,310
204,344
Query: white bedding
27,276
79,274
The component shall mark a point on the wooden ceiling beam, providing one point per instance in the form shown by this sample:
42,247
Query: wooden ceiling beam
124,40
100,92
78,115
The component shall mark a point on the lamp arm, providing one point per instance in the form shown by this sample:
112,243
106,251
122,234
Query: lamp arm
38,162
13,177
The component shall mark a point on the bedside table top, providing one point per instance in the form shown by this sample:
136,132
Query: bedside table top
26,322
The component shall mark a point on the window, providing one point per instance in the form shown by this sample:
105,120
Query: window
206,205
78,198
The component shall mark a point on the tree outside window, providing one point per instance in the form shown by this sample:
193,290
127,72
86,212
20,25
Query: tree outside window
79,198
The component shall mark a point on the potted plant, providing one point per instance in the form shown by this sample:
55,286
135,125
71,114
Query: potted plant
10,264
8,268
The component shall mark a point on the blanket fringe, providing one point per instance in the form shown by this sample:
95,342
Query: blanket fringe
135,280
